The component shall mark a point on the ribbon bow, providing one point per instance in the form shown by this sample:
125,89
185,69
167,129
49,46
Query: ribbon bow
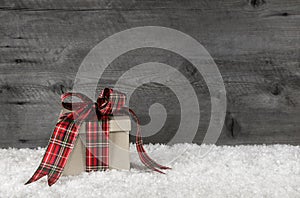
62,141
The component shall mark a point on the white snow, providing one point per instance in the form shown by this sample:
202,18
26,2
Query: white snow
225,171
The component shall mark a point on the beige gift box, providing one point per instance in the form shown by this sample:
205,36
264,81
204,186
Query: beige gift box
119,157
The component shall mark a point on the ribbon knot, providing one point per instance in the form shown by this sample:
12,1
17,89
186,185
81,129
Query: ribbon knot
109,102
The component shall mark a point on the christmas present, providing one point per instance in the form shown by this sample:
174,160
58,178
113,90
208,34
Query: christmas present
118,144
94,119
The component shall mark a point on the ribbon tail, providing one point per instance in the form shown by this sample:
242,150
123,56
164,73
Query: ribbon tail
144,157
53,178
58,150
39,173
147,164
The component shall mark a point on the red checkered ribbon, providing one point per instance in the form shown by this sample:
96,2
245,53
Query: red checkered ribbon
66,130
97,146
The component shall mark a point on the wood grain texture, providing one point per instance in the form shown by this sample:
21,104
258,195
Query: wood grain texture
255,43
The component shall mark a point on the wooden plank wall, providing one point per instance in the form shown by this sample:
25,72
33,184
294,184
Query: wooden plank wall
255,44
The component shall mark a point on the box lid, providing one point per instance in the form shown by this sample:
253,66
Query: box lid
116,123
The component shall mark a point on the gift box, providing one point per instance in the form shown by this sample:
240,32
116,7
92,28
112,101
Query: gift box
119,156
92,136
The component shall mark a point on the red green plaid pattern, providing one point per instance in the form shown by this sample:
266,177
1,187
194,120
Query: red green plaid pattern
59,148
144,157
66,130
97,145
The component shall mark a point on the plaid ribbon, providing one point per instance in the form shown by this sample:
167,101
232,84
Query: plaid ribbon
97,146
66,130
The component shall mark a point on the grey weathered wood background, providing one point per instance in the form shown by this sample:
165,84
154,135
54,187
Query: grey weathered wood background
255,43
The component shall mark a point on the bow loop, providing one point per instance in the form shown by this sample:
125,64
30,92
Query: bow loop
98,108
75,105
